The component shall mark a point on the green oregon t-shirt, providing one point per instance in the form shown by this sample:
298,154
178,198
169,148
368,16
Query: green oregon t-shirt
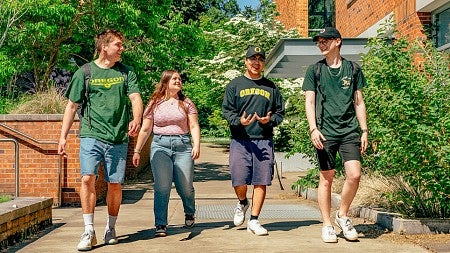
339,117
108,97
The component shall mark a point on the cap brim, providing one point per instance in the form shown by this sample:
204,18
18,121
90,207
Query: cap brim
250,55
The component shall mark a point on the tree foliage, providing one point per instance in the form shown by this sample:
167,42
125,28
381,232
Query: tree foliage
11,11
192,10
53,35
408,107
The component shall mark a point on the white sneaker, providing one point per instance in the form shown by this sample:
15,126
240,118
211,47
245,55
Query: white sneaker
239,213
328,234
254,227
87,240
348,230
110,236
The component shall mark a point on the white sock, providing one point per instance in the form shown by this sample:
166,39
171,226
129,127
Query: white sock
88,222
111,223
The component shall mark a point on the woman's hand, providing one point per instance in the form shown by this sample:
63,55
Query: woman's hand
136,159
195,152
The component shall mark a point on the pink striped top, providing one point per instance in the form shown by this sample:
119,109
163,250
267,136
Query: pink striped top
169,118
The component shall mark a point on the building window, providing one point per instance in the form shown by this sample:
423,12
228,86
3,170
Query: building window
321,14
442,28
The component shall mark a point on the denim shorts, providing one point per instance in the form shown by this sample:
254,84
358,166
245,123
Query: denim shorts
348,147
113,156
251,162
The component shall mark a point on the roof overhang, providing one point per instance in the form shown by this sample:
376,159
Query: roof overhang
429,5
291,57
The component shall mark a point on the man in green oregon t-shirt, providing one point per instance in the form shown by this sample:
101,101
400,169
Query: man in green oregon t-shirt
105,128
336,116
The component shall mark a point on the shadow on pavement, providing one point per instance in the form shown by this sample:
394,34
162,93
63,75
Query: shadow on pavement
371,231
131,196
289,225
209,171
149,234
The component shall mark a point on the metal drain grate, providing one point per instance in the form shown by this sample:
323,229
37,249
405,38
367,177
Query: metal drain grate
268,212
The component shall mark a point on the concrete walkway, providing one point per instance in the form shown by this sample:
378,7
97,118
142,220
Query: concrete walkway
294,224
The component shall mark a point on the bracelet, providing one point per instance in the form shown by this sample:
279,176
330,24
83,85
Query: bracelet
314,129
365,130
138,151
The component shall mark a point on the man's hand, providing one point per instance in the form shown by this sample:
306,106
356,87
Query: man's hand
247,120
62,147
317,138
133,128
364,142
263,120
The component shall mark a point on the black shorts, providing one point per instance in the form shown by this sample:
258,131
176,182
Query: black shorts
348,147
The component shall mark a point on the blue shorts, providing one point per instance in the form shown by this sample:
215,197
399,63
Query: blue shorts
251,162
113,156
348,147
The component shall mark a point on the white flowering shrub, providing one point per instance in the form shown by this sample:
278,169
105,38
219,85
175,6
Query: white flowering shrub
223,60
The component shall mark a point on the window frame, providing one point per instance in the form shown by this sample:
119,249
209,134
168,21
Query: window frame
435,31
322,15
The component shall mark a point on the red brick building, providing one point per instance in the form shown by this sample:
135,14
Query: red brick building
362,18
31,167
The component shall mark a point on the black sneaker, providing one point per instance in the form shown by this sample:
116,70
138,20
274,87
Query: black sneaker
189,220
161,231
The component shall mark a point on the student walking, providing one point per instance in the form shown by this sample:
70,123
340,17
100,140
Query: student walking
253,106
105,129
171,116
336,116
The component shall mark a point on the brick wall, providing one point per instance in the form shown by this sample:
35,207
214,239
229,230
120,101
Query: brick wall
352,20
39,163
294,14
355,18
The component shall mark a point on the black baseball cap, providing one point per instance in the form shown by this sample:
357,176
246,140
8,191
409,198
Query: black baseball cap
328,33
254,50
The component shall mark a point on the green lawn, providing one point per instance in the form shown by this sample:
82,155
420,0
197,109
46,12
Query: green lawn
5,198
216,140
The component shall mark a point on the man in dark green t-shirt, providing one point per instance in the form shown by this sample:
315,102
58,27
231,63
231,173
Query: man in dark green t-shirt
336,116
105,128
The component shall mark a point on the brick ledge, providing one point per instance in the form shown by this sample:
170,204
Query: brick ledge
31,117
22,217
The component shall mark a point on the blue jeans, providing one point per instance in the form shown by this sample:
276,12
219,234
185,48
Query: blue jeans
171,160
